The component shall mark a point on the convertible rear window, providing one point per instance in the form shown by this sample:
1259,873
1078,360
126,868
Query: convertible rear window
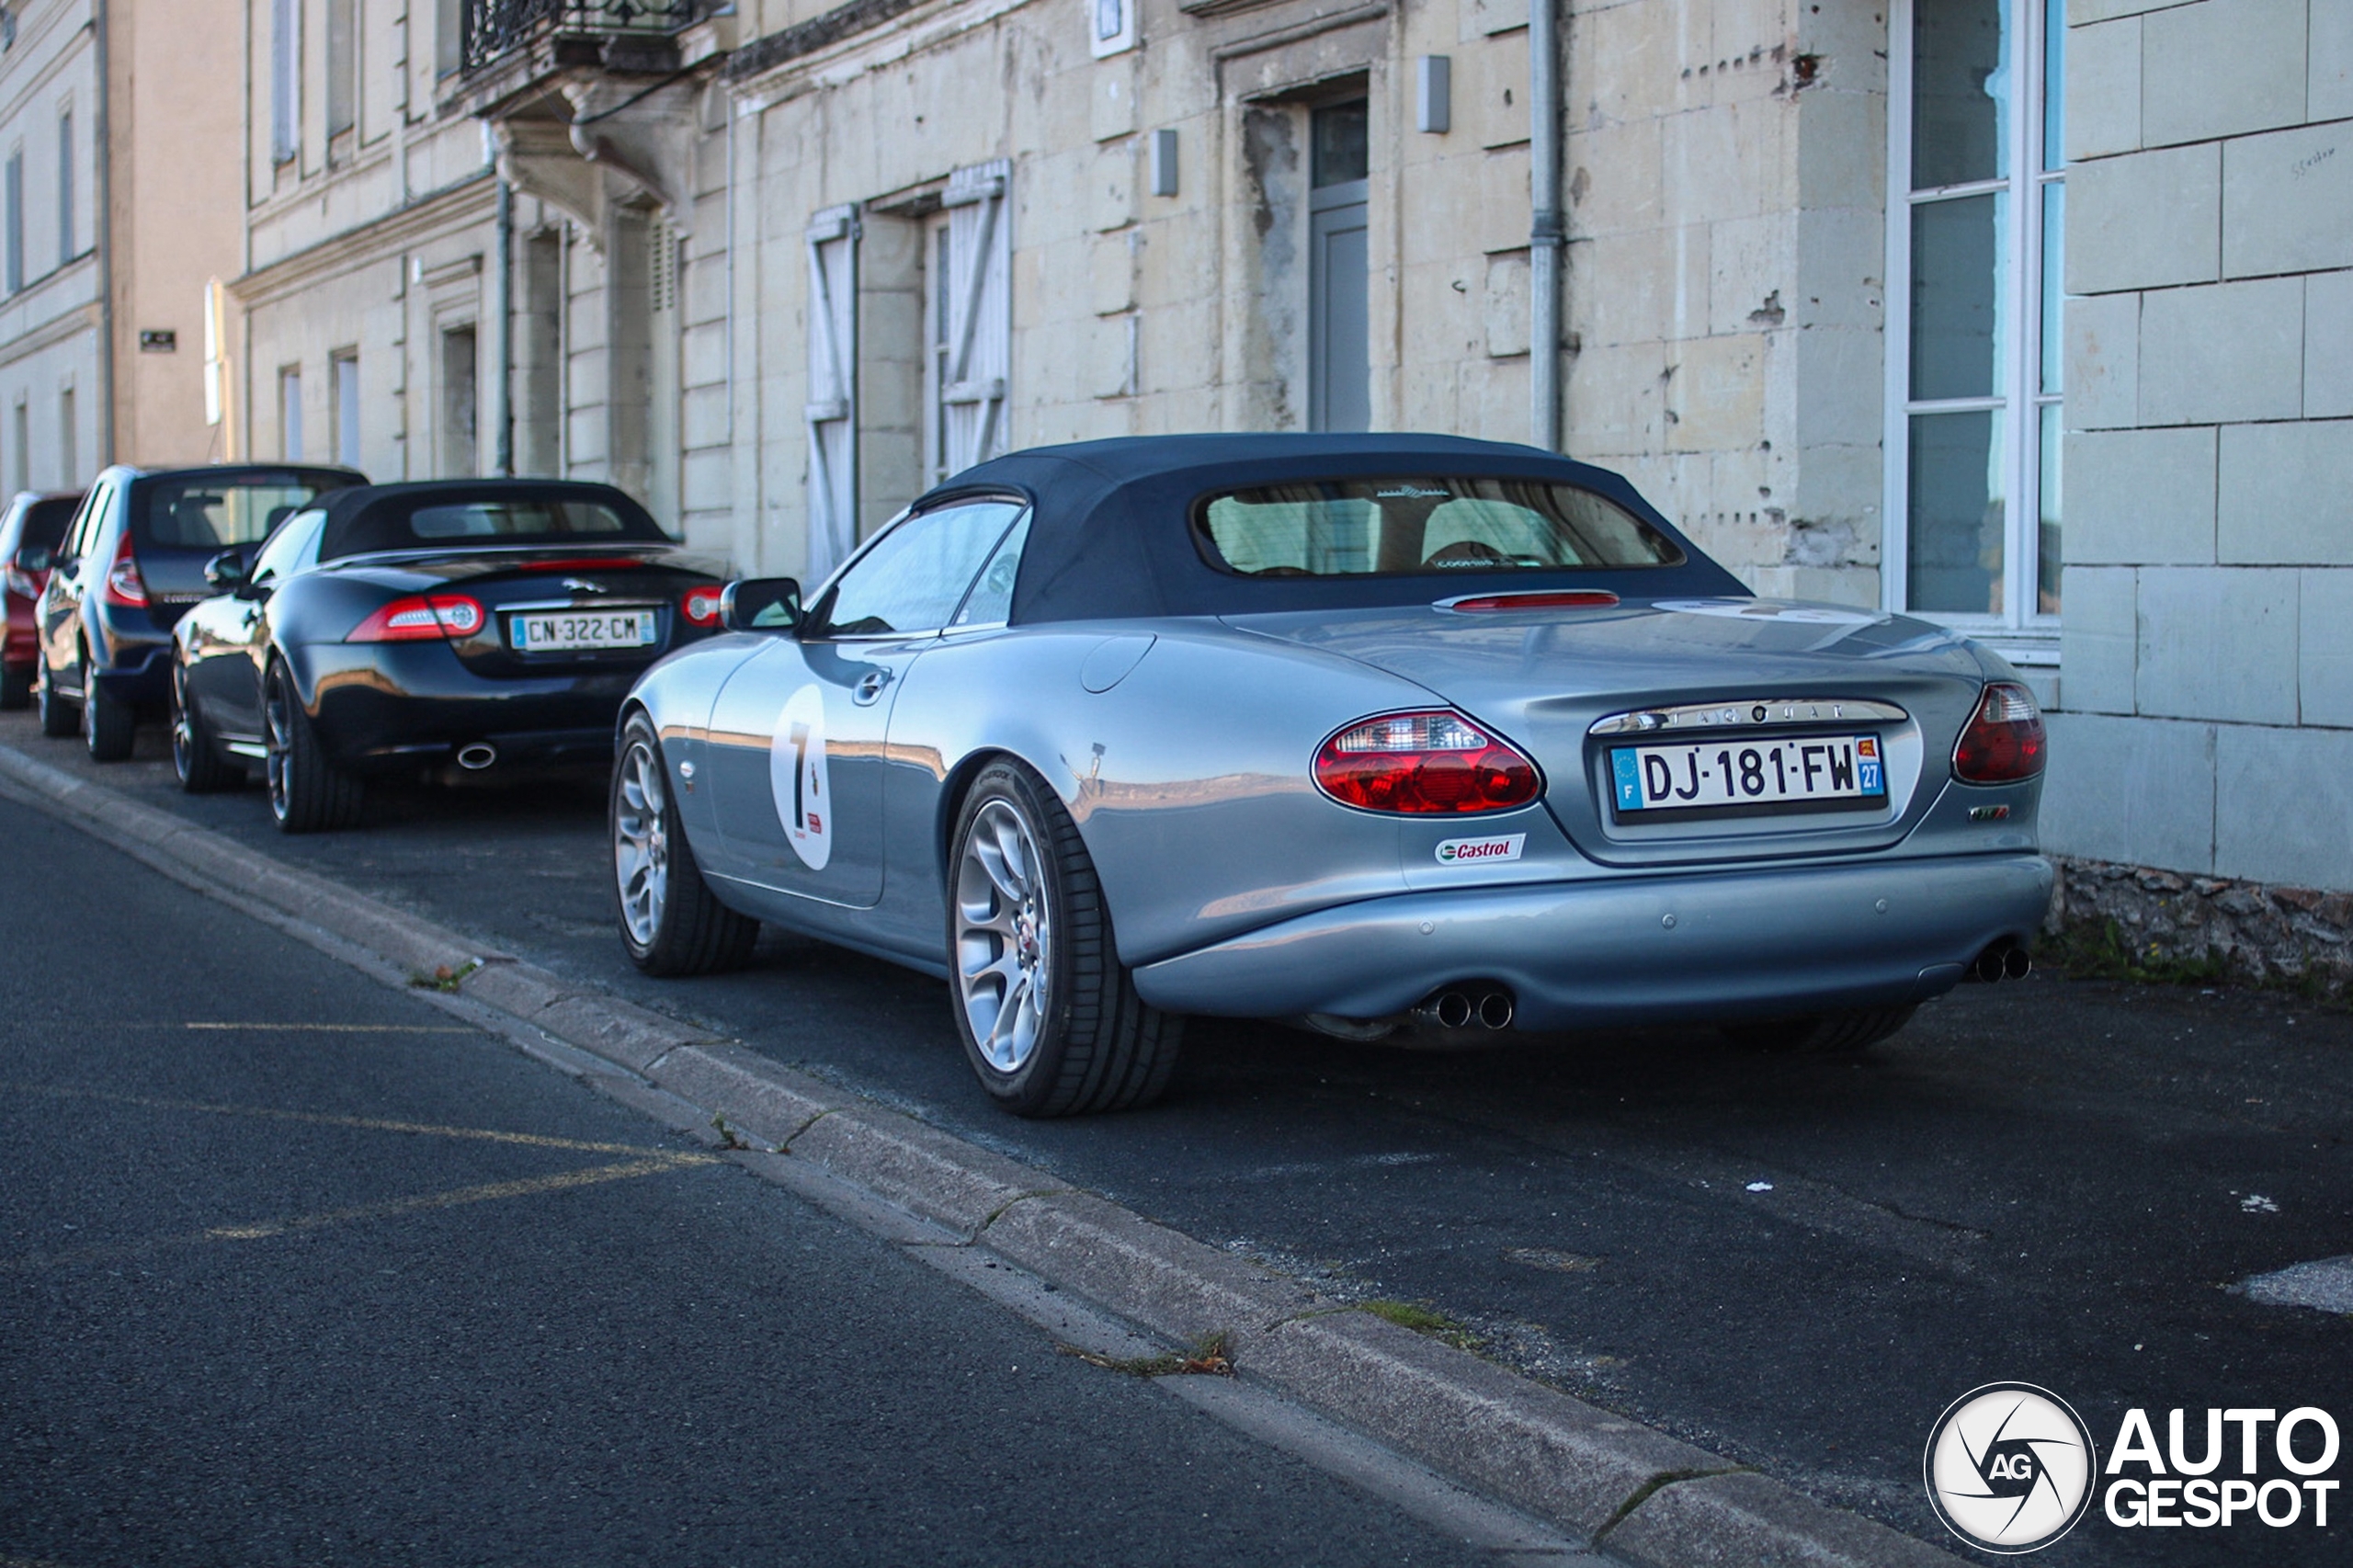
430,523
1351,528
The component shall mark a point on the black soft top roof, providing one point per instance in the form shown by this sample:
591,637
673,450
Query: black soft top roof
1112,535
370,517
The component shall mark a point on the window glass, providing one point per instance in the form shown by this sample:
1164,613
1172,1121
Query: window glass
1355,526
401,523
88,522
1339,144
46,522
210,515
1958,296
292,548
1961,87
913,578
1956,505
991,601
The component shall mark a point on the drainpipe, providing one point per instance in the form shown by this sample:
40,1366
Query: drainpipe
100,137
503,447
1546,234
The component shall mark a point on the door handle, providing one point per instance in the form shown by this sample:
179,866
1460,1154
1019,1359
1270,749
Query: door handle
869,687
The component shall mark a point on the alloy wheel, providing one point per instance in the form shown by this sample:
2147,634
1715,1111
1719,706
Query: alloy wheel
277,717
184,759
1004,935
641,845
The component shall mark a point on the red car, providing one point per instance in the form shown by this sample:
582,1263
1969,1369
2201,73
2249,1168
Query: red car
30,531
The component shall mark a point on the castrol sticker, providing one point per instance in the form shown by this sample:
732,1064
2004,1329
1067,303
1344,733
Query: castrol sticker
1481,851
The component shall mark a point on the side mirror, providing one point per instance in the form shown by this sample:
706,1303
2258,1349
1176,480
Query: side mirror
226,572
761,604
32,558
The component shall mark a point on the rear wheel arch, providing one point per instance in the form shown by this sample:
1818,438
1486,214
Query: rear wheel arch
959,784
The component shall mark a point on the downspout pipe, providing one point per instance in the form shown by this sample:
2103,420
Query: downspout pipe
502,301
101,137
1547,233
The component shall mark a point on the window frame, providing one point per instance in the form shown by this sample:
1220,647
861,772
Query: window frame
2023,630
815,621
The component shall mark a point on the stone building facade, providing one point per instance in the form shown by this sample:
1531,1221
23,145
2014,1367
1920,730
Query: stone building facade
778,266
116,210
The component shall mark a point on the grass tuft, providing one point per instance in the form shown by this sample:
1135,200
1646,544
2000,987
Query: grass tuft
1422,1319
443,977
1209,1358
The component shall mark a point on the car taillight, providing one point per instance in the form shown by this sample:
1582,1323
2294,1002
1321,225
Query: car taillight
1434,763
125,587
700,607
2003,742
421,618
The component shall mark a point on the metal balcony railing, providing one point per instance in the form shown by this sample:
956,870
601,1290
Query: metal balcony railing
494,29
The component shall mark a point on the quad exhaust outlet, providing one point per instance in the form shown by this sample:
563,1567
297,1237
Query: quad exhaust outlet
2003,961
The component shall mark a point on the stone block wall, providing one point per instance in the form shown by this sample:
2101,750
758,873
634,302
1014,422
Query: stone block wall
2206,717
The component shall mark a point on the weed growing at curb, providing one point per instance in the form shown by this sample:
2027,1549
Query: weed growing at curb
1208,1359
728,1137
443,977
2101,950
1422,1319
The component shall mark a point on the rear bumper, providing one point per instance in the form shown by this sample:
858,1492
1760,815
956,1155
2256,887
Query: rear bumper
392,708
1630,951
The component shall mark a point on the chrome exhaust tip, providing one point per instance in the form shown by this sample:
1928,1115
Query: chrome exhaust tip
2003,961
2016,964
1496,1009
477,757
1449,1010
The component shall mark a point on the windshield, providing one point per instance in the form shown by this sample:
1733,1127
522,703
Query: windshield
1349,527
208,514
427,523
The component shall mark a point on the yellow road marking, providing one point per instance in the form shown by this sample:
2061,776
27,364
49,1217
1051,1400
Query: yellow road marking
262,1229
320,1119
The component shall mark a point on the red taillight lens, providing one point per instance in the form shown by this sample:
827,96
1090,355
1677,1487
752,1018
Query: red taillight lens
124,585
421,618
1435,763
1568,598
700,607
2003,742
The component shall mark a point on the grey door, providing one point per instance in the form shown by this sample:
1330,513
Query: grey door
1339,378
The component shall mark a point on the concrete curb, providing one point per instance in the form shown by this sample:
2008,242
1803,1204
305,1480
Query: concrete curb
1637,1493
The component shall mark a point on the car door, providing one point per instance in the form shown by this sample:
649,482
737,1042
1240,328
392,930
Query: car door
229,648
799,732
60,601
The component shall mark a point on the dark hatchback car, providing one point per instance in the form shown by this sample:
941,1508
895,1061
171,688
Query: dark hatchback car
403,628
29,534
131,564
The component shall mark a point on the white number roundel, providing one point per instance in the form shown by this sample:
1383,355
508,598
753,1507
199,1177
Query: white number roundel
804,798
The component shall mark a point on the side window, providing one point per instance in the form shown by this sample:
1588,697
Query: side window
991,600
292,548
913,578
85,533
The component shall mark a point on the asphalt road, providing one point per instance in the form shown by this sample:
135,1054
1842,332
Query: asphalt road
296,1269
1798,1264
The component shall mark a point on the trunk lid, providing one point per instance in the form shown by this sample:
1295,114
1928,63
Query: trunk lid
1747,671
583,591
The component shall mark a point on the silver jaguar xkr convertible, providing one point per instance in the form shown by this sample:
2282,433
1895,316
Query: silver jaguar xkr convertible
1371,733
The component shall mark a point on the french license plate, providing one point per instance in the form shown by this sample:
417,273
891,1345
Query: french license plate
568,631
1714,774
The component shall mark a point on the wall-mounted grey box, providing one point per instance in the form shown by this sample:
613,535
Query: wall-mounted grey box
1163,162
1434,94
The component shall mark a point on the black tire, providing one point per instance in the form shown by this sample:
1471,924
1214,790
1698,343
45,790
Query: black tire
17,688
307,792
671,922
195,755
109,726
59,718
1095,1045
1848,1033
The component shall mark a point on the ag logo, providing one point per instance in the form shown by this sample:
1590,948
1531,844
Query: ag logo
2010,1468
804,800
